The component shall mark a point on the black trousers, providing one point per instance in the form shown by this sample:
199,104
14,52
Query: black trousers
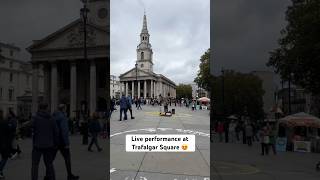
249,140
264,149
94,140
65,152
48,157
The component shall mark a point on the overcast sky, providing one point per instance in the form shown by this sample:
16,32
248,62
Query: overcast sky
179,34
22,21
245,31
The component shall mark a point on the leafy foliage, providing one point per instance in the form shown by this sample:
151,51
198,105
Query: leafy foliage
242,95
204,79
184,91
299,51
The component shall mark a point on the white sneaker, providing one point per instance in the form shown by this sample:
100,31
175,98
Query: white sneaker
13,156
1,175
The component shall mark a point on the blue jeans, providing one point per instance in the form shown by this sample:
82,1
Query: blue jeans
123,110
48,157
3,161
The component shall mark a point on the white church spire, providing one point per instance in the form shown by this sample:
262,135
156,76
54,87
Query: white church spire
144,50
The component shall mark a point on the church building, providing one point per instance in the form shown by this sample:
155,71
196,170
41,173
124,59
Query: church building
141,81
73,76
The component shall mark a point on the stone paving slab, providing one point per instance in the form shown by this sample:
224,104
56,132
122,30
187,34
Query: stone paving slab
161,165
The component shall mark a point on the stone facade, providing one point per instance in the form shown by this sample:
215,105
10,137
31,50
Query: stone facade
69,78
15,79
141,81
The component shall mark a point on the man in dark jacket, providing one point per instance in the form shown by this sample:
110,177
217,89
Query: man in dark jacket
123,107
45,139
5,143
62,122
94,129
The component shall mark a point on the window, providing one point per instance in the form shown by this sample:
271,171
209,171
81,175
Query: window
11,77
11,64
1,92
142,65
142,55
11,52
11,94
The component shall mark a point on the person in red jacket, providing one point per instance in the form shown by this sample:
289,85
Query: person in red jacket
220,130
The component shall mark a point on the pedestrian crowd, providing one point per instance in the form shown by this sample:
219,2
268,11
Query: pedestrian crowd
50,135
248,132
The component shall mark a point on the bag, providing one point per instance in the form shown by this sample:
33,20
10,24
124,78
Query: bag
266,139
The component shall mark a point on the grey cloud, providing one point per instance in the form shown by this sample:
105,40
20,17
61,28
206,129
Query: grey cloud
245,32
179,33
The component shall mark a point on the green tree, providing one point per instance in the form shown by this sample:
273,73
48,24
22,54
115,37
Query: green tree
204,79
242,95
184,91
298,54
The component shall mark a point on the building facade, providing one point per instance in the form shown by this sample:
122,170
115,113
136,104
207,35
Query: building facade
198,92
114,87
70,77
141,81
15,80
270,88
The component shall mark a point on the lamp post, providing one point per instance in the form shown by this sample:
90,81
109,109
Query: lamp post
84,15
136,65
289,94
222,89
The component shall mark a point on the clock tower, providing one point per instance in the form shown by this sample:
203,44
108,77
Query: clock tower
144,50
98,12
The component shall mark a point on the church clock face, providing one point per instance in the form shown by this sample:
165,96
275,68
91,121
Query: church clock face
102,13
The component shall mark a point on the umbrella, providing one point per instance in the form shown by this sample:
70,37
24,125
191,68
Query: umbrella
232,117
301,119
204,99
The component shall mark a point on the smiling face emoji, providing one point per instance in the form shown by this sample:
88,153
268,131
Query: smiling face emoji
184,146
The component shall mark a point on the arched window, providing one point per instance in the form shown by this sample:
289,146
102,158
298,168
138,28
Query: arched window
142,55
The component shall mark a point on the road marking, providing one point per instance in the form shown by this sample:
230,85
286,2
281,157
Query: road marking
112,170
241,169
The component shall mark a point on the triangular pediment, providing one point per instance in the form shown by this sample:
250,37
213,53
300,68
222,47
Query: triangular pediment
72,36
132,73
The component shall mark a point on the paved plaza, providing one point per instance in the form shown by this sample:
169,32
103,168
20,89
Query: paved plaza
238,161
160,165
231,161
88,165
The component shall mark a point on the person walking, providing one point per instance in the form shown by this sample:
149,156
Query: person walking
232,131
129,106
249,133
264,141
84,127
139,104
13,123
45,140
123,107
272,137
220,130
94,129
64,144
5,143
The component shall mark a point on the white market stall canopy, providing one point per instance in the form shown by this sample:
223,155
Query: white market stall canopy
301,119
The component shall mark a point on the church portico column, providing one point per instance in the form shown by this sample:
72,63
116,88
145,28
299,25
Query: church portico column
73,89
132,91
126,88
144,89
54,86
151,88
35,87
138,89
93,90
